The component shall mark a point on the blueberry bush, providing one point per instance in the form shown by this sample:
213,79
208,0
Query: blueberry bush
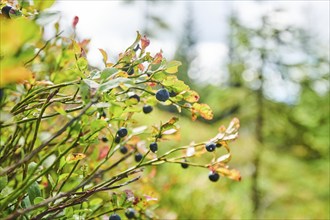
70,144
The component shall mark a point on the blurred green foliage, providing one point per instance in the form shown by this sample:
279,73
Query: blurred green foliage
293,179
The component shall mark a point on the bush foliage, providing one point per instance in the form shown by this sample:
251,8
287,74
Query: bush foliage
69,140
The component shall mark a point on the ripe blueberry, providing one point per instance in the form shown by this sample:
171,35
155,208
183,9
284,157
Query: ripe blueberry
210,146
114,217
135,96
104,139
218,145
122,132
172,94
147,109
117,139
213,176
153,147
6,11
130,71
138,157
130,213
184,165
123,149
162,95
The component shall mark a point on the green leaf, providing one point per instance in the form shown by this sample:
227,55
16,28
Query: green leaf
108,72
116,110
105,87
38,200
98,124
68,212
159,76
26,202
114,200
175,84
42,4
96,201
82,63
31,167
51,181
84,91
172,66
34,192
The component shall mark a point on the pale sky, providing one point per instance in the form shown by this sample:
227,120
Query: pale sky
112,25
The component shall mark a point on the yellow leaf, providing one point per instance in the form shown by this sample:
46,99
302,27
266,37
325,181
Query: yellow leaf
14,33
105,56
75,157
172,66
14,75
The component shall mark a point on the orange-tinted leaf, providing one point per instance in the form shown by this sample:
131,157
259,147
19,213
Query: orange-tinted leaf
231,174
75,157
191,96
144,42
233,126
203,110
16,74
224,158
158,58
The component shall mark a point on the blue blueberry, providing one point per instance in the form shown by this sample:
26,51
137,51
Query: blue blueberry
210,146
130,213
147,109
214,176
114,217
162,95
138,157
123,149
153,147
122,132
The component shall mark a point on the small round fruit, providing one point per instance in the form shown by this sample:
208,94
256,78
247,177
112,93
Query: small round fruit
162,95
184,165
122,132
117,139
104,139
130,213
147,109
6,11
138,157
219,145
123,149
114,217
130,71
213,176
173,94
153,147
210,146
135,96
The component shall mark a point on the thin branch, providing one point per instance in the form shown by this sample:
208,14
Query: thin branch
38,149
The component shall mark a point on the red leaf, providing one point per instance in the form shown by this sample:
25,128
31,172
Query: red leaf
75,21
103,152
144,42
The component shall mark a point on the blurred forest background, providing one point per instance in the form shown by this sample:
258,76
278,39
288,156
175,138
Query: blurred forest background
275,79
